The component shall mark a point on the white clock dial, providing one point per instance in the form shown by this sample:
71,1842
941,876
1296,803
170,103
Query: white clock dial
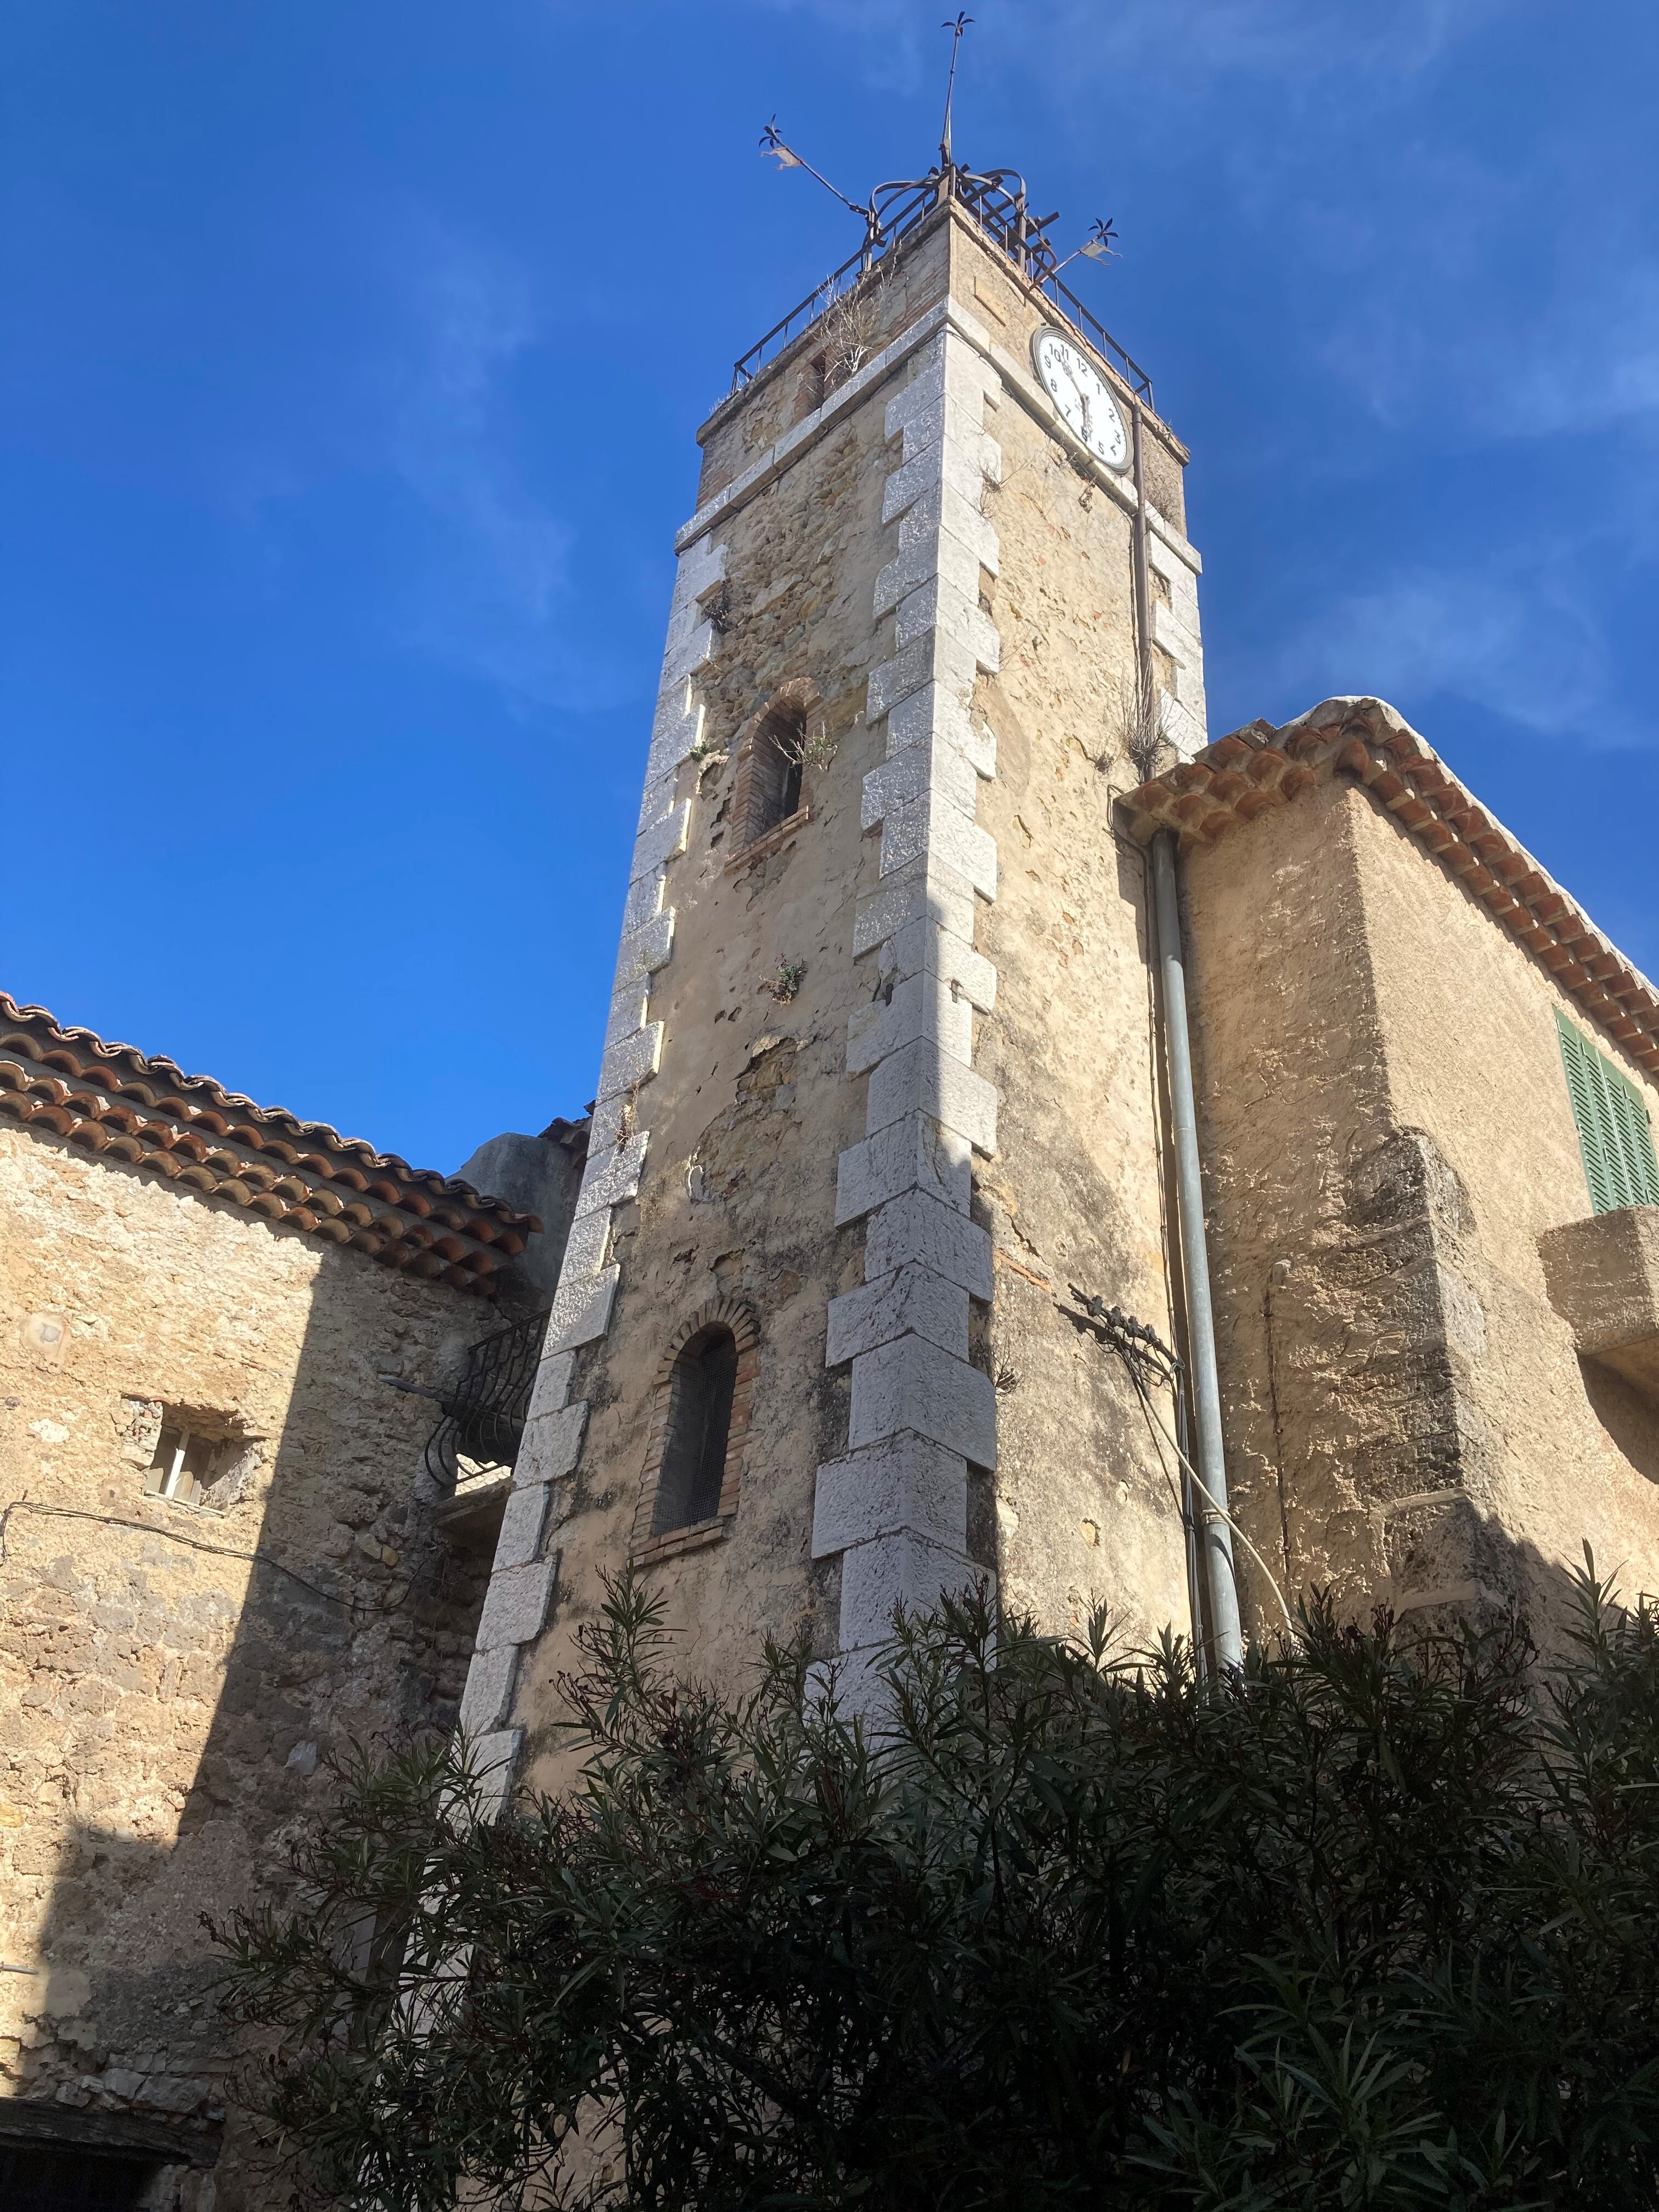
1079,392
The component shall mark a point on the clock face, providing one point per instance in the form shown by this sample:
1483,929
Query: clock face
1078,390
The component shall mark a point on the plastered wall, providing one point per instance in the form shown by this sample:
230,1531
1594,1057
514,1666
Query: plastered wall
1387,1132
1085,1510
168,1704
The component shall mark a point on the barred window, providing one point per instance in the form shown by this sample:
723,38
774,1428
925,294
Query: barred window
701,1387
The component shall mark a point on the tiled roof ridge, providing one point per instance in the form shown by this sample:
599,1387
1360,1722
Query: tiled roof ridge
1259,767
144,1108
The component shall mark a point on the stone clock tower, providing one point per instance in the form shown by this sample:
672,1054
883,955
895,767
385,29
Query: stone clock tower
879,1082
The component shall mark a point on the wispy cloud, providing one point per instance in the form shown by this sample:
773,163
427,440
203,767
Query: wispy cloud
491,584
1523,641
1183,45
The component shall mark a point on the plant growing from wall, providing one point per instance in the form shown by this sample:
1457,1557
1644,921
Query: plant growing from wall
1372,1924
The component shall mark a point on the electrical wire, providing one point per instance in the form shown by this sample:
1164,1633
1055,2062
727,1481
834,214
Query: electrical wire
1196,1478
172,1536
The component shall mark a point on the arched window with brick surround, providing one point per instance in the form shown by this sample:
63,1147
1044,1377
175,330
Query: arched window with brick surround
774,766
767,796
700,1423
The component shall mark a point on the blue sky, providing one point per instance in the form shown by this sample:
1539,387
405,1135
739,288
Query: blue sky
353,356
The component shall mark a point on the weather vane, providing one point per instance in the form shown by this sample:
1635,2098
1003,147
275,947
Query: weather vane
989,197
956,28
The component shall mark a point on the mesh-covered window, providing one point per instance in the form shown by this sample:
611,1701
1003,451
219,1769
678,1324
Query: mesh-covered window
698,1426
1615,1136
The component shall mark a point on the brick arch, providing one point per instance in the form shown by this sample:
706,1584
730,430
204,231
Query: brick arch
740,1317
800,695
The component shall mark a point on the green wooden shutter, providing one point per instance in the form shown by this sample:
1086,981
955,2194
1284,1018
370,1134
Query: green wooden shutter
1615,1136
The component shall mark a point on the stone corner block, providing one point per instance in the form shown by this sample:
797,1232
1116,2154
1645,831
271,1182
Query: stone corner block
515,1604
917,1227
912,1153
581,1310
920,1079
894,1571
551,1387
911,1300
906,1483
912,1384
552,1444
524,1517
496,1762
488,1693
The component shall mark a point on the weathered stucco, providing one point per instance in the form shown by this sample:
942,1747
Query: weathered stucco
167,1703
1389,1134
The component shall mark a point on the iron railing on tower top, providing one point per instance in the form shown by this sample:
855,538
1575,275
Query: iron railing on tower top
896,209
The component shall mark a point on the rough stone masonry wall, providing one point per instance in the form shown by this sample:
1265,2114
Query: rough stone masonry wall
1086,1513
166,1711
711,1163
828,1156
1387,1132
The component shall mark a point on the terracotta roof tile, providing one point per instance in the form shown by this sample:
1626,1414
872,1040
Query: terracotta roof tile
1257,767
116,1102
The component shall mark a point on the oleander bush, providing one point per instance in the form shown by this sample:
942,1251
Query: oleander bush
1375,1922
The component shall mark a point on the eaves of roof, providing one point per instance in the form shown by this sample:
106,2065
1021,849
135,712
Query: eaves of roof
121,1105
1259,768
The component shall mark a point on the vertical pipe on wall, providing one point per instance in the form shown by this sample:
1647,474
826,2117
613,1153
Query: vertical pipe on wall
1142,581
1220,1587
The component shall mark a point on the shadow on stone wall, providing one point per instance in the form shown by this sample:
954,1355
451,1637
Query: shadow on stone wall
356,1626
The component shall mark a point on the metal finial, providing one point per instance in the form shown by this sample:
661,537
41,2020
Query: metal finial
956,27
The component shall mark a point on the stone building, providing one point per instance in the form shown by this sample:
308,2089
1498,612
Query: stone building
1031,1140
222,1553
895,1082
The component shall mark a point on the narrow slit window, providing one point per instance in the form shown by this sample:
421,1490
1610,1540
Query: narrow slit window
702,1384
1615,1136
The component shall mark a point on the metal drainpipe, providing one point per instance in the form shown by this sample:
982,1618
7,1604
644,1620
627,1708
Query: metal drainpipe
1219,1583
1213,1561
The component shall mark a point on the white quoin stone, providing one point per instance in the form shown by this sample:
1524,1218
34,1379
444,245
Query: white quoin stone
932,768
911,1384
610,1177
921,1009
919,1078
906,1484
922,948
515,1604
636,1060
915,1226
552,1440
523,1519
913,1154
893,1571
487,1697
912,1300
924,890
